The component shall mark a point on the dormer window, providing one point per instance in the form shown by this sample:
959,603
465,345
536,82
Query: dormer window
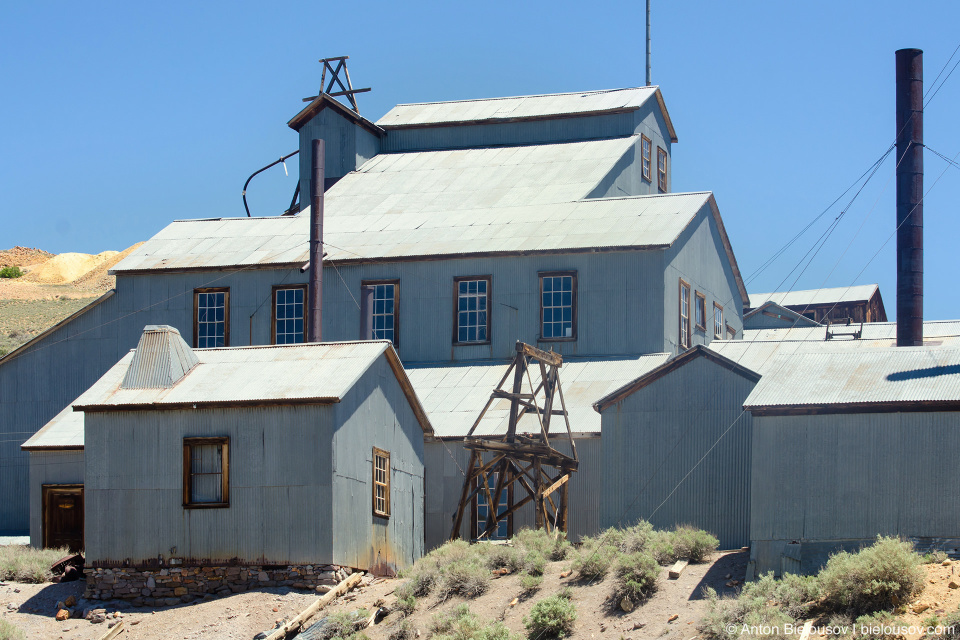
662,169
646,151
717,321
685,341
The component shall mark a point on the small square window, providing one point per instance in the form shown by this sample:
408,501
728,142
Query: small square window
685,341
701,311
717,321
206,470
289,314
662,169
381,482
471,322
646,156
558,305
211,319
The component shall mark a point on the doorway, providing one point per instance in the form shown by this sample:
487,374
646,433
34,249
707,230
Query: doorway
63,516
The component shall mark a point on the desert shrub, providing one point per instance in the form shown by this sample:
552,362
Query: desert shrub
636,537
455,567
935,557
460,624
11,272
551,617
880,576
21,563
636,576
406,601
10,632
660,547
692,543
550,545
468,576
726,616
502,555
534,563
949,628
404,631
594,558
343,626
419,584
878,626
530,583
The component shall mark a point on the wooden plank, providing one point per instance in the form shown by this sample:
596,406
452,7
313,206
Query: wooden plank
807,630
549,357
458,518
556,485
349,92
114,632
677,569
295,625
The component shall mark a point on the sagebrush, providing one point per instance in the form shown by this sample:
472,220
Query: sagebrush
461,624
551,617
21,563
880,576
10,632
11,272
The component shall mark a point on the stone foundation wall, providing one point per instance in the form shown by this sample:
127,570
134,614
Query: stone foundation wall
175,585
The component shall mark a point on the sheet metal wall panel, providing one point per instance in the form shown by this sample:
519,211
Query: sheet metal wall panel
699,258
626,177
279,464
50,467
346,147
510,133
655,436
376,413
37,384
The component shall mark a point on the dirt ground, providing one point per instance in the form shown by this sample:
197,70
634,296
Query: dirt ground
242,616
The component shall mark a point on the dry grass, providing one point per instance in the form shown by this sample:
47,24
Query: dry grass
25,564
10,632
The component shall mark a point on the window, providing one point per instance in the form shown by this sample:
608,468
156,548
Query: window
717,321
289,314
684,315
211,320
731,333
661,169
558,305
206,472
471,321
482,510
381,483
384,317
645,156
701,312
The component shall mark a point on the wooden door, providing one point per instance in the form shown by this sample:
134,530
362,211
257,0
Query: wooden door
63,516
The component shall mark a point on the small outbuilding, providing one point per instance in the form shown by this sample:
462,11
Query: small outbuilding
232,467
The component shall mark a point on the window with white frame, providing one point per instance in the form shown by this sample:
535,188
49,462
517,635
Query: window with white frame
381,482
558,305
472,310
717,321
384,316
289,314
684,314
701,311
211,320
646,155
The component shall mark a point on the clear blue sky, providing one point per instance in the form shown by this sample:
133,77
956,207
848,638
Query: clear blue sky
117,118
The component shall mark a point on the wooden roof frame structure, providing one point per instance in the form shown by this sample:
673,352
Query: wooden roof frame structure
344,89
520,458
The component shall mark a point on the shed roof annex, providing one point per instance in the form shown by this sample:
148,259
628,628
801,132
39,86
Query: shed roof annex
832,295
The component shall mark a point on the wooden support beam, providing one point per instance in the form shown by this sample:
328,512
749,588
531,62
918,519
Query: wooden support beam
677,568
556,485
458,517
116,630
295,625
349,92
548,357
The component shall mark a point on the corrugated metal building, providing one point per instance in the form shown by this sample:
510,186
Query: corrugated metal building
283,455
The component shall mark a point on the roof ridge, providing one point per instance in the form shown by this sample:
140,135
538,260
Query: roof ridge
532,95
298,344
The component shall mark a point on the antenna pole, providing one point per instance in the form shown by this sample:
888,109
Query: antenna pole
649,82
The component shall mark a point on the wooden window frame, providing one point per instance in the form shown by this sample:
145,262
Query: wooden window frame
573,305
396,305
717,307
685,343
662,175
646,158
701,306
226,314
223,441
456,308
377,452
273,309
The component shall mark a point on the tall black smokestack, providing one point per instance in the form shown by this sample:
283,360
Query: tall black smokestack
315,289
909,197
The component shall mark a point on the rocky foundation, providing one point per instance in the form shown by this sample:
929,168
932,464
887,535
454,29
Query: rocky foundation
176,585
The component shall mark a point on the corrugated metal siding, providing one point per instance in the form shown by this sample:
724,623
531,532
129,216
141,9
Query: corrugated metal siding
346,147
656,436
855,293
376,413
50,467
446,463
280,494
826,479
38,383
698,257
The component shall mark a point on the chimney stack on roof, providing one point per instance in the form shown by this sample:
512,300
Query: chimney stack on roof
160,360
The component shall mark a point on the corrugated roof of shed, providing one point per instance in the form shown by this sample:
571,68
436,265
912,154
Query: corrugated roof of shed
454,395
64,431
832,295
860,377
536,106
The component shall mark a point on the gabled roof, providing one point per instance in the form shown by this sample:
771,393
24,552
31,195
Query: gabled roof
300,374
63,433
513,109
862,380
771,308
454,394
833,295
324,101
699,351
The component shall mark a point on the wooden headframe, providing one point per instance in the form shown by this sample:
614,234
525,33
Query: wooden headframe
527,459
343,89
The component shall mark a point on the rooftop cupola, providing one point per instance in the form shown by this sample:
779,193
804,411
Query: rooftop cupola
160,360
